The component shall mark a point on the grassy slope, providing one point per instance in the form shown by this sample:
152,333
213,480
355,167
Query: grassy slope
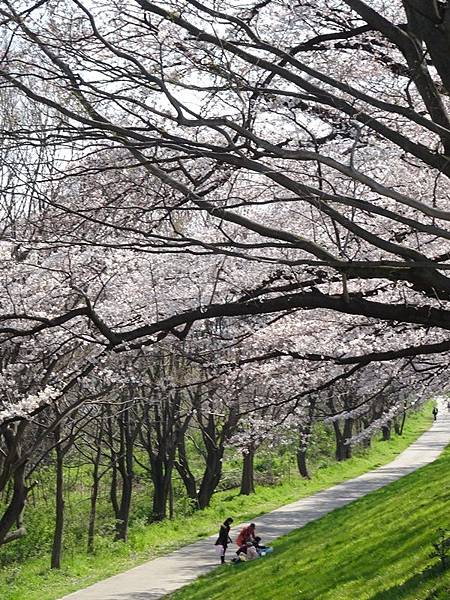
377,548
33,580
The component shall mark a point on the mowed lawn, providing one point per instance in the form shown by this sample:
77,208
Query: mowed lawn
378,547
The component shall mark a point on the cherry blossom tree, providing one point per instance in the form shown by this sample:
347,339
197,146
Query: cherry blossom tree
258,193
312,141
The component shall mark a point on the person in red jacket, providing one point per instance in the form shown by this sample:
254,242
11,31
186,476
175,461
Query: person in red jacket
247,534
246,539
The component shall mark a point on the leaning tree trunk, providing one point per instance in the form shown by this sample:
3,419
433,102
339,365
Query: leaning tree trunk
302,463
13,467
14,511
398,427
247,479
184,471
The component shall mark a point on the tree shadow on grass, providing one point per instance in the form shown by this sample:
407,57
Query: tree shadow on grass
404,590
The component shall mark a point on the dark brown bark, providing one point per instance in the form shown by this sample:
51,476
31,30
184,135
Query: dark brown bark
95,486
161,474
125,468
113,457
182,466
59,502
13,514
248,479
161,447
215,434
162,435
13,468
428,26
211,475
429,22
120,439
303,440
302,463
343,450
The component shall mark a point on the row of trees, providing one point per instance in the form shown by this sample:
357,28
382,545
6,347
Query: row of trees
139,419
215,218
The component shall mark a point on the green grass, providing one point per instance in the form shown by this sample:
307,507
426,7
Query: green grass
377,548
33,579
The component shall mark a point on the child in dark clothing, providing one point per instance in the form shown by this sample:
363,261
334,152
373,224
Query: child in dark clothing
224,539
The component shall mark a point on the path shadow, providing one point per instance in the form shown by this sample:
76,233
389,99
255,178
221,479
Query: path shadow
153,595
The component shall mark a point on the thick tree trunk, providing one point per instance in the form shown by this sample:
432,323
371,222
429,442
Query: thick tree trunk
339,452
13,513
125,467
430,22
247,479
302,463
124,509
302,448
59,504
211,476
161,495
343,450
386,430
159,503
13,467
214,438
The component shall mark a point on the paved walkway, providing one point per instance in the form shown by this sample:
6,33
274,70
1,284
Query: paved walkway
158,577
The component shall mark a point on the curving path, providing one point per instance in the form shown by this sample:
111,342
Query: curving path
158,577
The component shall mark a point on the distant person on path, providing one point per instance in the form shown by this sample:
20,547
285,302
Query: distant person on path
448,406
224,539
435,412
